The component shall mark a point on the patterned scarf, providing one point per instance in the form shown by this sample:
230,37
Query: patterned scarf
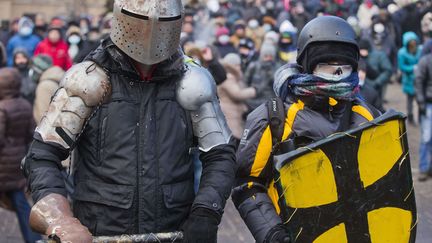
309,85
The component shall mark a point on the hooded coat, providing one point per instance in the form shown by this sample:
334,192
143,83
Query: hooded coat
57,51
17,41
16,125
407,62
48,85
233,94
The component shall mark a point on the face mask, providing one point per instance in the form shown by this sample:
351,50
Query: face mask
84,29
224,39
25,31
21,66
74,39
253,24
267,27
332,72
379,28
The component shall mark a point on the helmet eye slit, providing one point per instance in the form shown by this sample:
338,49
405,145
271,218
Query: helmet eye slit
143,17
124,11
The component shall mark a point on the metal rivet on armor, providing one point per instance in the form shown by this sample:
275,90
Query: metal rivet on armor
137,124
215,205
131,83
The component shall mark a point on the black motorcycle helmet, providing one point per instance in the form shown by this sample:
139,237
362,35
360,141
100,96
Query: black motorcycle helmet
327,38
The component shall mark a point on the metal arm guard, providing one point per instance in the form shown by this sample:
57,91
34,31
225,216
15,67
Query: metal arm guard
84,87
196,92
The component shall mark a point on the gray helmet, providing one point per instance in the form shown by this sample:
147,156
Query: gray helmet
147,30
324,29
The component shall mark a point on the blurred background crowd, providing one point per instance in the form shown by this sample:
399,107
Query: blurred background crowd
241,42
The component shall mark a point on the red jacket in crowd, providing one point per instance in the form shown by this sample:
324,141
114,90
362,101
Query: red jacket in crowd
57,51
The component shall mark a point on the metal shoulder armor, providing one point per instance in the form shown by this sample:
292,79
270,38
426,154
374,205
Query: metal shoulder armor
196,92
84,87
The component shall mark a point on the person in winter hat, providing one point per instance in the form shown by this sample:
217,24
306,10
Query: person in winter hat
22,62
55,47
23,39
16,125
317,91
259,75
247,52
223,43
233,94
408,57
379,68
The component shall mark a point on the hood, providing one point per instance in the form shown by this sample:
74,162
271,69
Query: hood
232,70
10,83
409,36
22,51
281,76
53,73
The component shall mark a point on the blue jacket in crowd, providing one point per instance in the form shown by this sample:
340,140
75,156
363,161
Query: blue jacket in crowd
407,62
28,43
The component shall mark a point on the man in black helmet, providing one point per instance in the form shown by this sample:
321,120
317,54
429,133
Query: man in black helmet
320,97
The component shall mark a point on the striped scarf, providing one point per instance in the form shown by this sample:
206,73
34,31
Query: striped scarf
310,85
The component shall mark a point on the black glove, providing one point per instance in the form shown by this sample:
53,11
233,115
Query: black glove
278,234
201,226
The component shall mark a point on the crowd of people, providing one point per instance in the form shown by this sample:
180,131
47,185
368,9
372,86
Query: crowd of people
241,43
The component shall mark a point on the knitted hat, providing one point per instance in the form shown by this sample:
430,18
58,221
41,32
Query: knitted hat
222,31
247,43
330,51
364,45
73,30
267,49
232,59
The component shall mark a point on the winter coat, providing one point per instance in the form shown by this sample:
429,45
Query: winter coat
423,80
3,57
87,47
58,52
260,76
364,14
47,86
378,61
28,85
232,94
134,173
308,120
223,50
28,43
371,96
407,62
16,125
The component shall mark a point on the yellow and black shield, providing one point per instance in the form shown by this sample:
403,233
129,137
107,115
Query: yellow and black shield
350,187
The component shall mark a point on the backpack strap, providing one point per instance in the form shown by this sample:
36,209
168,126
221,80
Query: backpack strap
276,116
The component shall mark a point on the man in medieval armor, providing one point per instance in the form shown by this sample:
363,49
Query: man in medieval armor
132,110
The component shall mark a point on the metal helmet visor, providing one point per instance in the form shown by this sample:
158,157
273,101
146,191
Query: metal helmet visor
147,30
